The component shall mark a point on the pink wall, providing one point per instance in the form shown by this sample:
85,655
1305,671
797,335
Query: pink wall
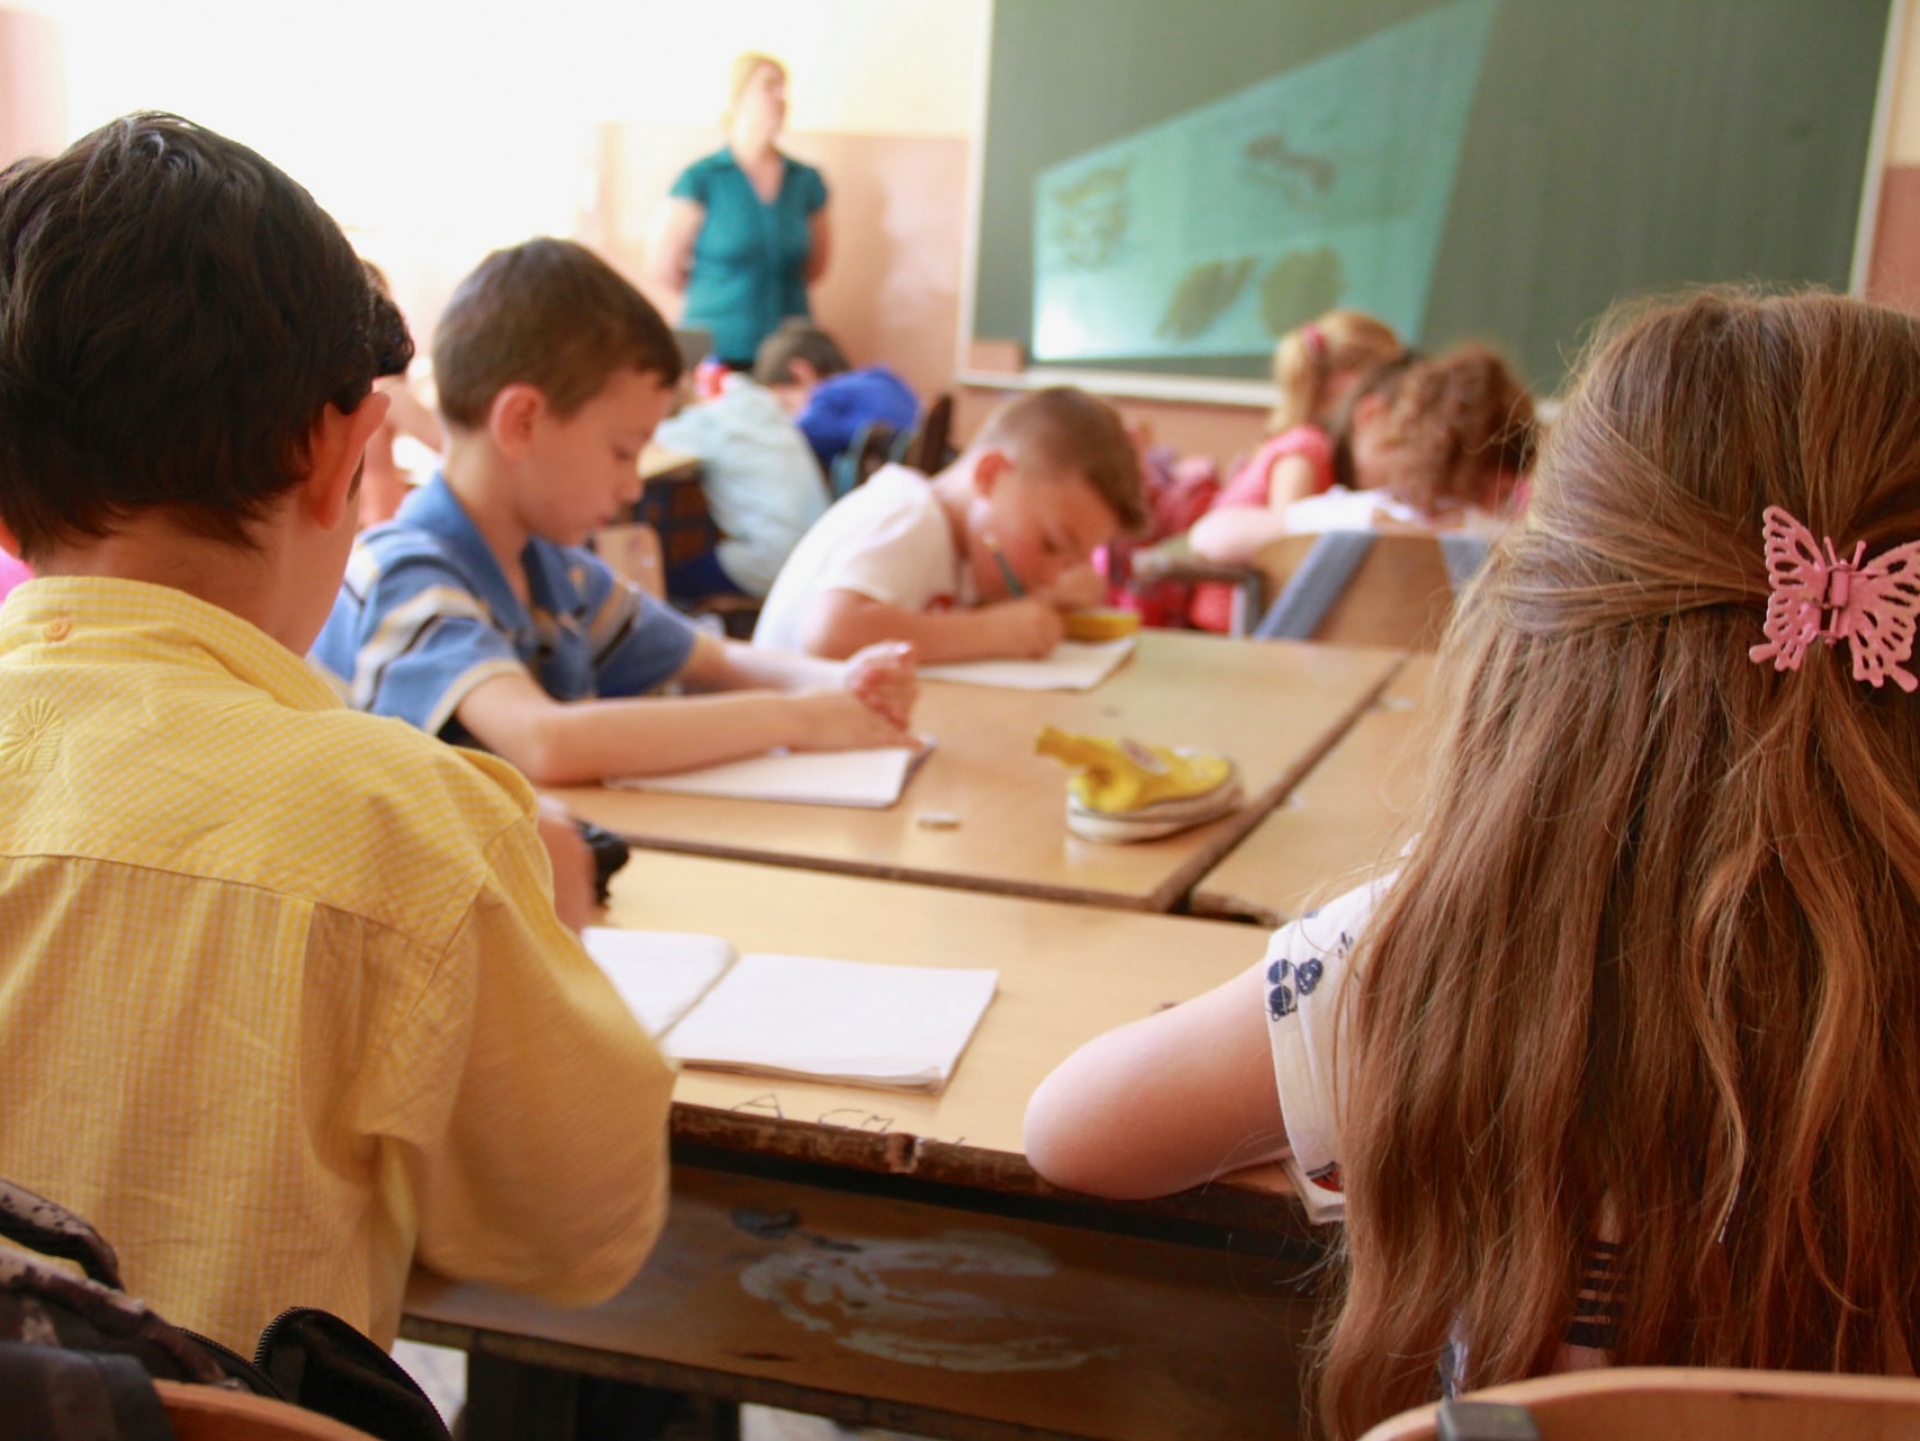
33,86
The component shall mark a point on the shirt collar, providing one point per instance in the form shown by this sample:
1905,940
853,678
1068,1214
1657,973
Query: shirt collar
71,616
435,509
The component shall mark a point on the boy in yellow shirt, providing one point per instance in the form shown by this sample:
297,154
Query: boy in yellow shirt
476,615
284,1000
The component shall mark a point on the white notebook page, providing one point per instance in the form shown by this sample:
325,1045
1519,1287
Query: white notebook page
902,1026
1074,665
659,974
871,779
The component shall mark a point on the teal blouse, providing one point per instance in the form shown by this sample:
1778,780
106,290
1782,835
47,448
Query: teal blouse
750,258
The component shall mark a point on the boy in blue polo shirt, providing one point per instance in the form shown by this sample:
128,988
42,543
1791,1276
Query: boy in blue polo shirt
476,615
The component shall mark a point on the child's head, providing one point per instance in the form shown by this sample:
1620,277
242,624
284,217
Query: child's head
558,365
1054,477
1315,365
1438,435
1648,972
175,316
797,356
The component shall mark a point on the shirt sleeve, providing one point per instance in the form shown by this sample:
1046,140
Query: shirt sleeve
692,183
813,190
411,639
1307,970
639,643
546,1171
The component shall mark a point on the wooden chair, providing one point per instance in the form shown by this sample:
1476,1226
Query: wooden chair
928,448
1363,587
632,551
1682,1404
205,1413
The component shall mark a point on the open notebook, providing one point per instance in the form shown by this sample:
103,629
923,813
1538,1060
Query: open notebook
870,779
1073,665
820,1020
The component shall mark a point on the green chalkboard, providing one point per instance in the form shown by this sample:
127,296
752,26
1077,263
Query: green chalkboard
1165,185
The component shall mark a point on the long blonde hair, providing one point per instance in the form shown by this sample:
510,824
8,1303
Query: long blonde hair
1656,953
1309,356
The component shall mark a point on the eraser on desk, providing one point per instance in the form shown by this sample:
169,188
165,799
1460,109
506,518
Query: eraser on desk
1101,623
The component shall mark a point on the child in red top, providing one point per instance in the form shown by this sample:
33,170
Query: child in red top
1315,367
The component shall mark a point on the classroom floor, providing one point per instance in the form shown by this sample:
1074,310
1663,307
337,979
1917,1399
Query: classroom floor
442,1374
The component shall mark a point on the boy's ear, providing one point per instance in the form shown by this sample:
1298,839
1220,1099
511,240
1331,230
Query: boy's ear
511,418
335,446
988,469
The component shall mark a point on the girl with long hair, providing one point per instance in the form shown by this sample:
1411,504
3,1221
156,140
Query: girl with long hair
1614,1064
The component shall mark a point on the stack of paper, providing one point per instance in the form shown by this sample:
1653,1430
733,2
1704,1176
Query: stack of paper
822,1020
1074,665
872,779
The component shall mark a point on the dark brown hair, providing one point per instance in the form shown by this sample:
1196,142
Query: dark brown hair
797,338
1063,431
550,314
1648,972
175,313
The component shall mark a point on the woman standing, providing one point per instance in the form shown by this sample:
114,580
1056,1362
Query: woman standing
743,232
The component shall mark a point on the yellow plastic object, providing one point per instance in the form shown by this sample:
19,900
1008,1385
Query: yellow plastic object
1102,623
1118,776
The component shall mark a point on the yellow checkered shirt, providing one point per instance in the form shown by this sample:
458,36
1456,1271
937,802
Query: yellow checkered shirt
283,999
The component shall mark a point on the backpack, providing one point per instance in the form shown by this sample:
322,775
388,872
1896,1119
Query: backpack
74,1347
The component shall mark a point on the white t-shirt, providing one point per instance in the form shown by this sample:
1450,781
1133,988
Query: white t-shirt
1343,509
1307,966
888,540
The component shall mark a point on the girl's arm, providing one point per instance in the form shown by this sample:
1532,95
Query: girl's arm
1165,1103
1234,534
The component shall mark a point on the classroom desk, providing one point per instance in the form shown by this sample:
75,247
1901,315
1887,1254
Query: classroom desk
888,1258
1339,823
1274,707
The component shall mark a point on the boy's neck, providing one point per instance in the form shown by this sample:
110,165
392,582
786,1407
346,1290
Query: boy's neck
474,475
259,586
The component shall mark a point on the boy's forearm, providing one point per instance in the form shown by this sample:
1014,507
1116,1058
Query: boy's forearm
588,741
837,631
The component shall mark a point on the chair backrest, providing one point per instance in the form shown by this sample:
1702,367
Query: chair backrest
929,451
870,448
204,1413
632,551
1683,1404
1365,588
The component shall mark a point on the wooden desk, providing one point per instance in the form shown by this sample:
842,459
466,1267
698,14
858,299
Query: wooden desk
1346,818
886,1258
1273,707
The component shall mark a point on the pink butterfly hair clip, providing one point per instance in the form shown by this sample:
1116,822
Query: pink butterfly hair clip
1871,606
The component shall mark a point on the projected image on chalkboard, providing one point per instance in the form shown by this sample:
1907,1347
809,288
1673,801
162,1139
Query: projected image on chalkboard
1214,232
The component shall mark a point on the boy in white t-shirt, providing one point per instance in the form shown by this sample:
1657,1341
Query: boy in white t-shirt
977,561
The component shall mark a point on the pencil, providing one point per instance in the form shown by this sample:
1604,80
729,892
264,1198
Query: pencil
1014,588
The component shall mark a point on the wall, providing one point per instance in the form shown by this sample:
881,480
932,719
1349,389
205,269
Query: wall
1894,276
33,92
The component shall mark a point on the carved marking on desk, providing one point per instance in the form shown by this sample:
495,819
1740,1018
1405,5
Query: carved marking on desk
866,1120
921,1302
767,1103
